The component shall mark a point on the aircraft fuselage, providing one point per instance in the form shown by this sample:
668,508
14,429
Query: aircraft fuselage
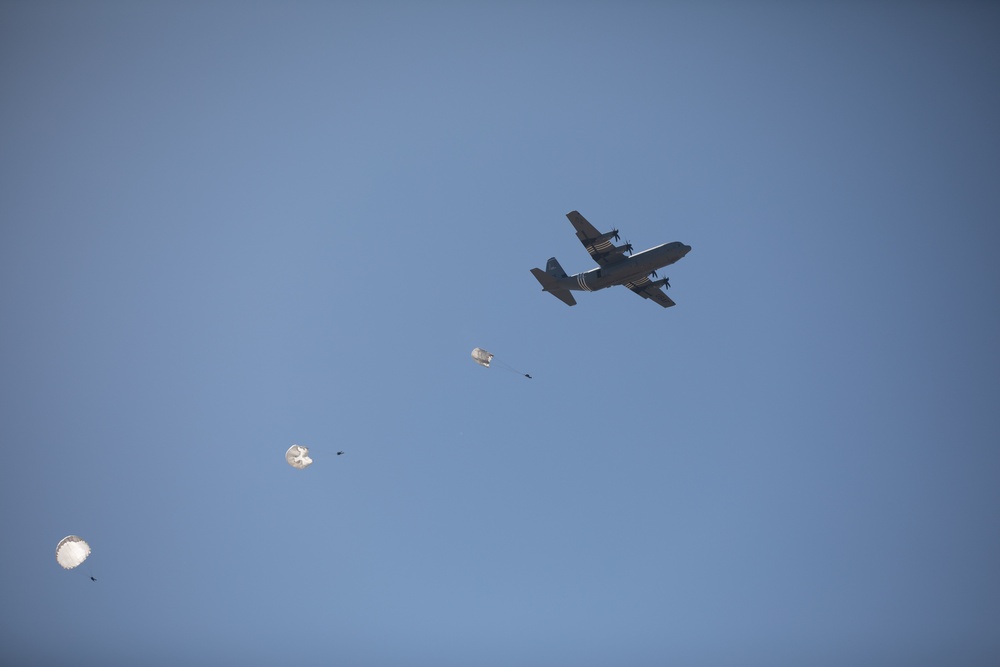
631,268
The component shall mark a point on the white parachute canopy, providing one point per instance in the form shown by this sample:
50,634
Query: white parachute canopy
298,457
71,551
482,357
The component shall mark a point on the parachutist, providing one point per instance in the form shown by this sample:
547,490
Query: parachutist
528,376
339,453
93,578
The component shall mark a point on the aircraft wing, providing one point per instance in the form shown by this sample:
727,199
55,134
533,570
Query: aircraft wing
602,252
646,290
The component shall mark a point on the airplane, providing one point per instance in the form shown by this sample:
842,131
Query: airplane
615,268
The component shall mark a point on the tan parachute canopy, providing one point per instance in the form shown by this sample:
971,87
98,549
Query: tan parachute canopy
298,457
482,357
71,551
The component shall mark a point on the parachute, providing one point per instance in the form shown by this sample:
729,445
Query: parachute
483,358
71,551
298,457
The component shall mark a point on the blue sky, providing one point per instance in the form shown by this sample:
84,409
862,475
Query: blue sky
231,227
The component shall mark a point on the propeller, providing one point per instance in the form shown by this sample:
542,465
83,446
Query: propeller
653,273
615,232
628,247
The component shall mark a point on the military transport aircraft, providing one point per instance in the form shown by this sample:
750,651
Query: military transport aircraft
632,271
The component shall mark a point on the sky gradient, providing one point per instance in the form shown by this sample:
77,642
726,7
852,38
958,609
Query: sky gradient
228,227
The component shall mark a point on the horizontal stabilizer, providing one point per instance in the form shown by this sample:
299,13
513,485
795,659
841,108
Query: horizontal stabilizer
551,285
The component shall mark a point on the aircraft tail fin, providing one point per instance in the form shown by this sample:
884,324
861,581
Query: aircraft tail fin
551,285
553,269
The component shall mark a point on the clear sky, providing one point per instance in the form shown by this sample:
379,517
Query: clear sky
228,227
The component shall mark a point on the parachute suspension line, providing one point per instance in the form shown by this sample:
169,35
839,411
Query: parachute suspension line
509,368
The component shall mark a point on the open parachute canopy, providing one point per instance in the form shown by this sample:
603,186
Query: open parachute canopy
482,357
298,457
71,551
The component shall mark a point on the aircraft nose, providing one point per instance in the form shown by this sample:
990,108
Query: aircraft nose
687,249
